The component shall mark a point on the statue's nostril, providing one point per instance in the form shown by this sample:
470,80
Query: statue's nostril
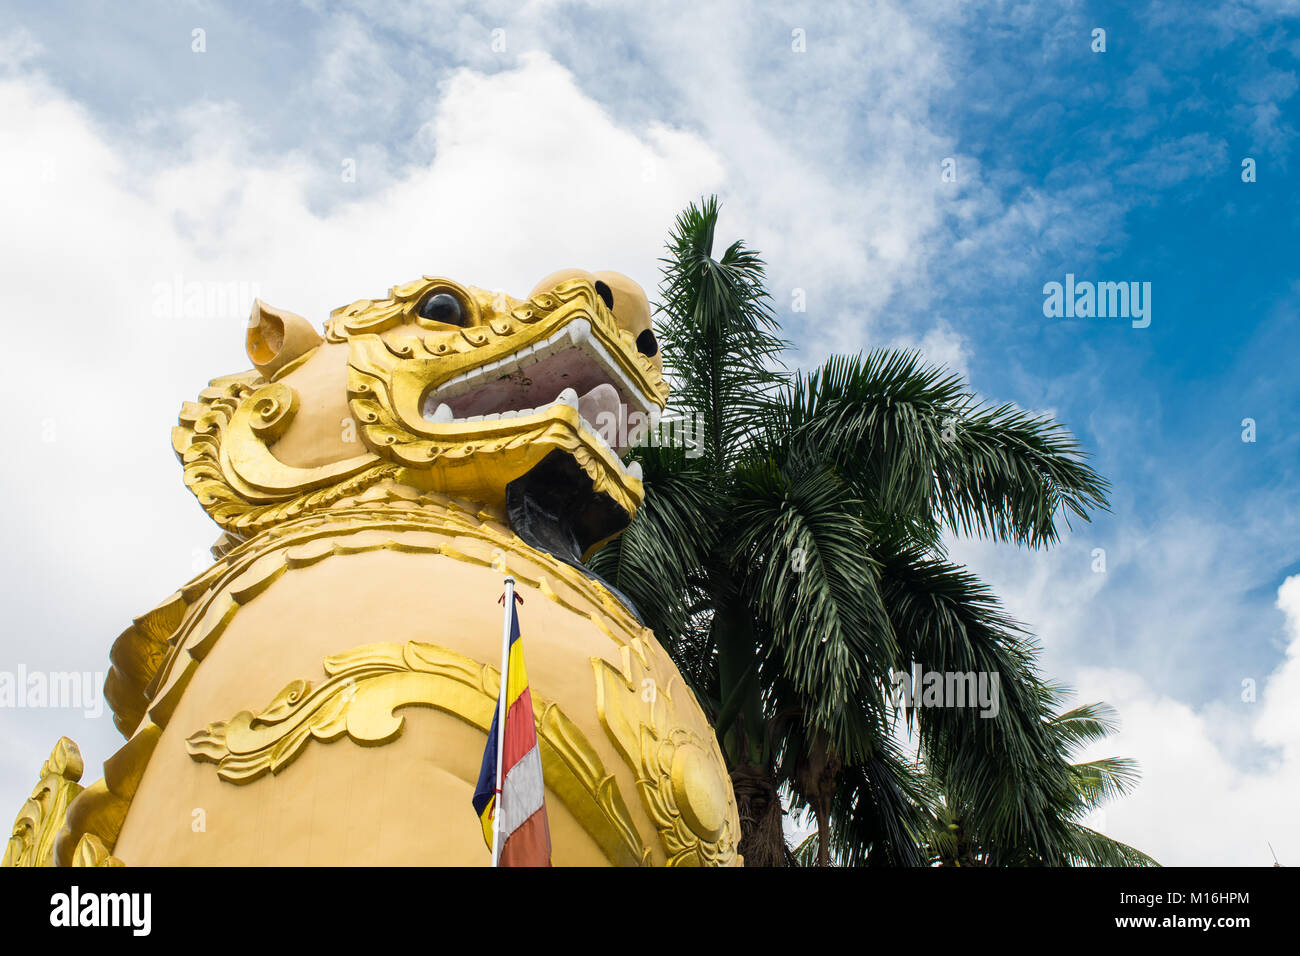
647,344
605,294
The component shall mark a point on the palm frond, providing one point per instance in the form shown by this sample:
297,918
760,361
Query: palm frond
1004,769
1106,779
916,441
881,812
1090,848
718,332
1085,724
803,554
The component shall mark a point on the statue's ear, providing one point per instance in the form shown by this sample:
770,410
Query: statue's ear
276,337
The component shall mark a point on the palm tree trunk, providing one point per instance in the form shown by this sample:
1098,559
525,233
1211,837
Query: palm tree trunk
819,772
823,833
762,841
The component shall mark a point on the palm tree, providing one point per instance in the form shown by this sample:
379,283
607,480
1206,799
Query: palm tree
791,559
954,842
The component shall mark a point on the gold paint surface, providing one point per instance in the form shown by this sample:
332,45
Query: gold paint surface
365,688
421,570
653,719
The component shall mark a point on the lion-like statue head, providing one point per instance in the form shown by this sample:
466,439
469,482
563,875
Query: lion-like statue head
440,387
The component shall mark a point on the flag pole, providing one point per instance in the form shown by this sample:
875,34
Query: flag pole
509,601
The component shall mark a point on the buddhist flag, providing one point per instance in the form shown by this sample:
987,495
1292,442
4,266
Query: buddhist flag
510,779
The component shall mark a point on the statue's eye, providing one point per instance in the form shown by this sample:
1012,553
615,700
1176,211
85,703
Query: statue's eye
605,294
442,307
647,344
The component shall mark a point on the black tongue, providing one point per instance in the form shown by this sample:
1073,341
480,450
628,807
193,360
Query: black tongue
556,509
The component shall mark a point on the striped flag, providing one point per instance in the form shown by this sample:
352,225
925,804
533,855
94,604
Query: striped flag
521,797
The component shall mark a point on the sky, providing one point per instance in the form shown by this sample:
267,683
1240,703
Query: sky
914,174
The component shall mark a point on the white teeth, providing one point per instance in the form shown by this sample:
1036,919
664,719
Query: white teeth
492,417
634,469
577,334
579,331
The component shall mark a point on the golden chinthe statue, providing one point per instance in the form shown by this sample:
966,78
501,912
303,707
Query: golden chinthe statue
322,693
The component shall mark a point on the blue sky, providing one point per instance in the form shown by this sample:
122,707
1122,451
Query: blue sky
131,160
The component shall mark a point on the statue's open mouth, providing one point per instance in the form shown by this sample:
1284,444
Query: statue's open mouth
571,367
571,378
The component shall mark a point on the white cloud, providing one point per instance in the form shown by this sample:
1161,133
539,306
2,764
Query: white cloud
1278,724
1196,804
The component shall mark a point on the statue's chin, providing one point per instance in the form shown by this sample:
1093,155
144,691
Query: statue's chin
555,508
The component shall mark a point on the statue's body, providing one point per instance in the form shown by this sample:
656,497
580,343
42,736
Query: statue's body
321,694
